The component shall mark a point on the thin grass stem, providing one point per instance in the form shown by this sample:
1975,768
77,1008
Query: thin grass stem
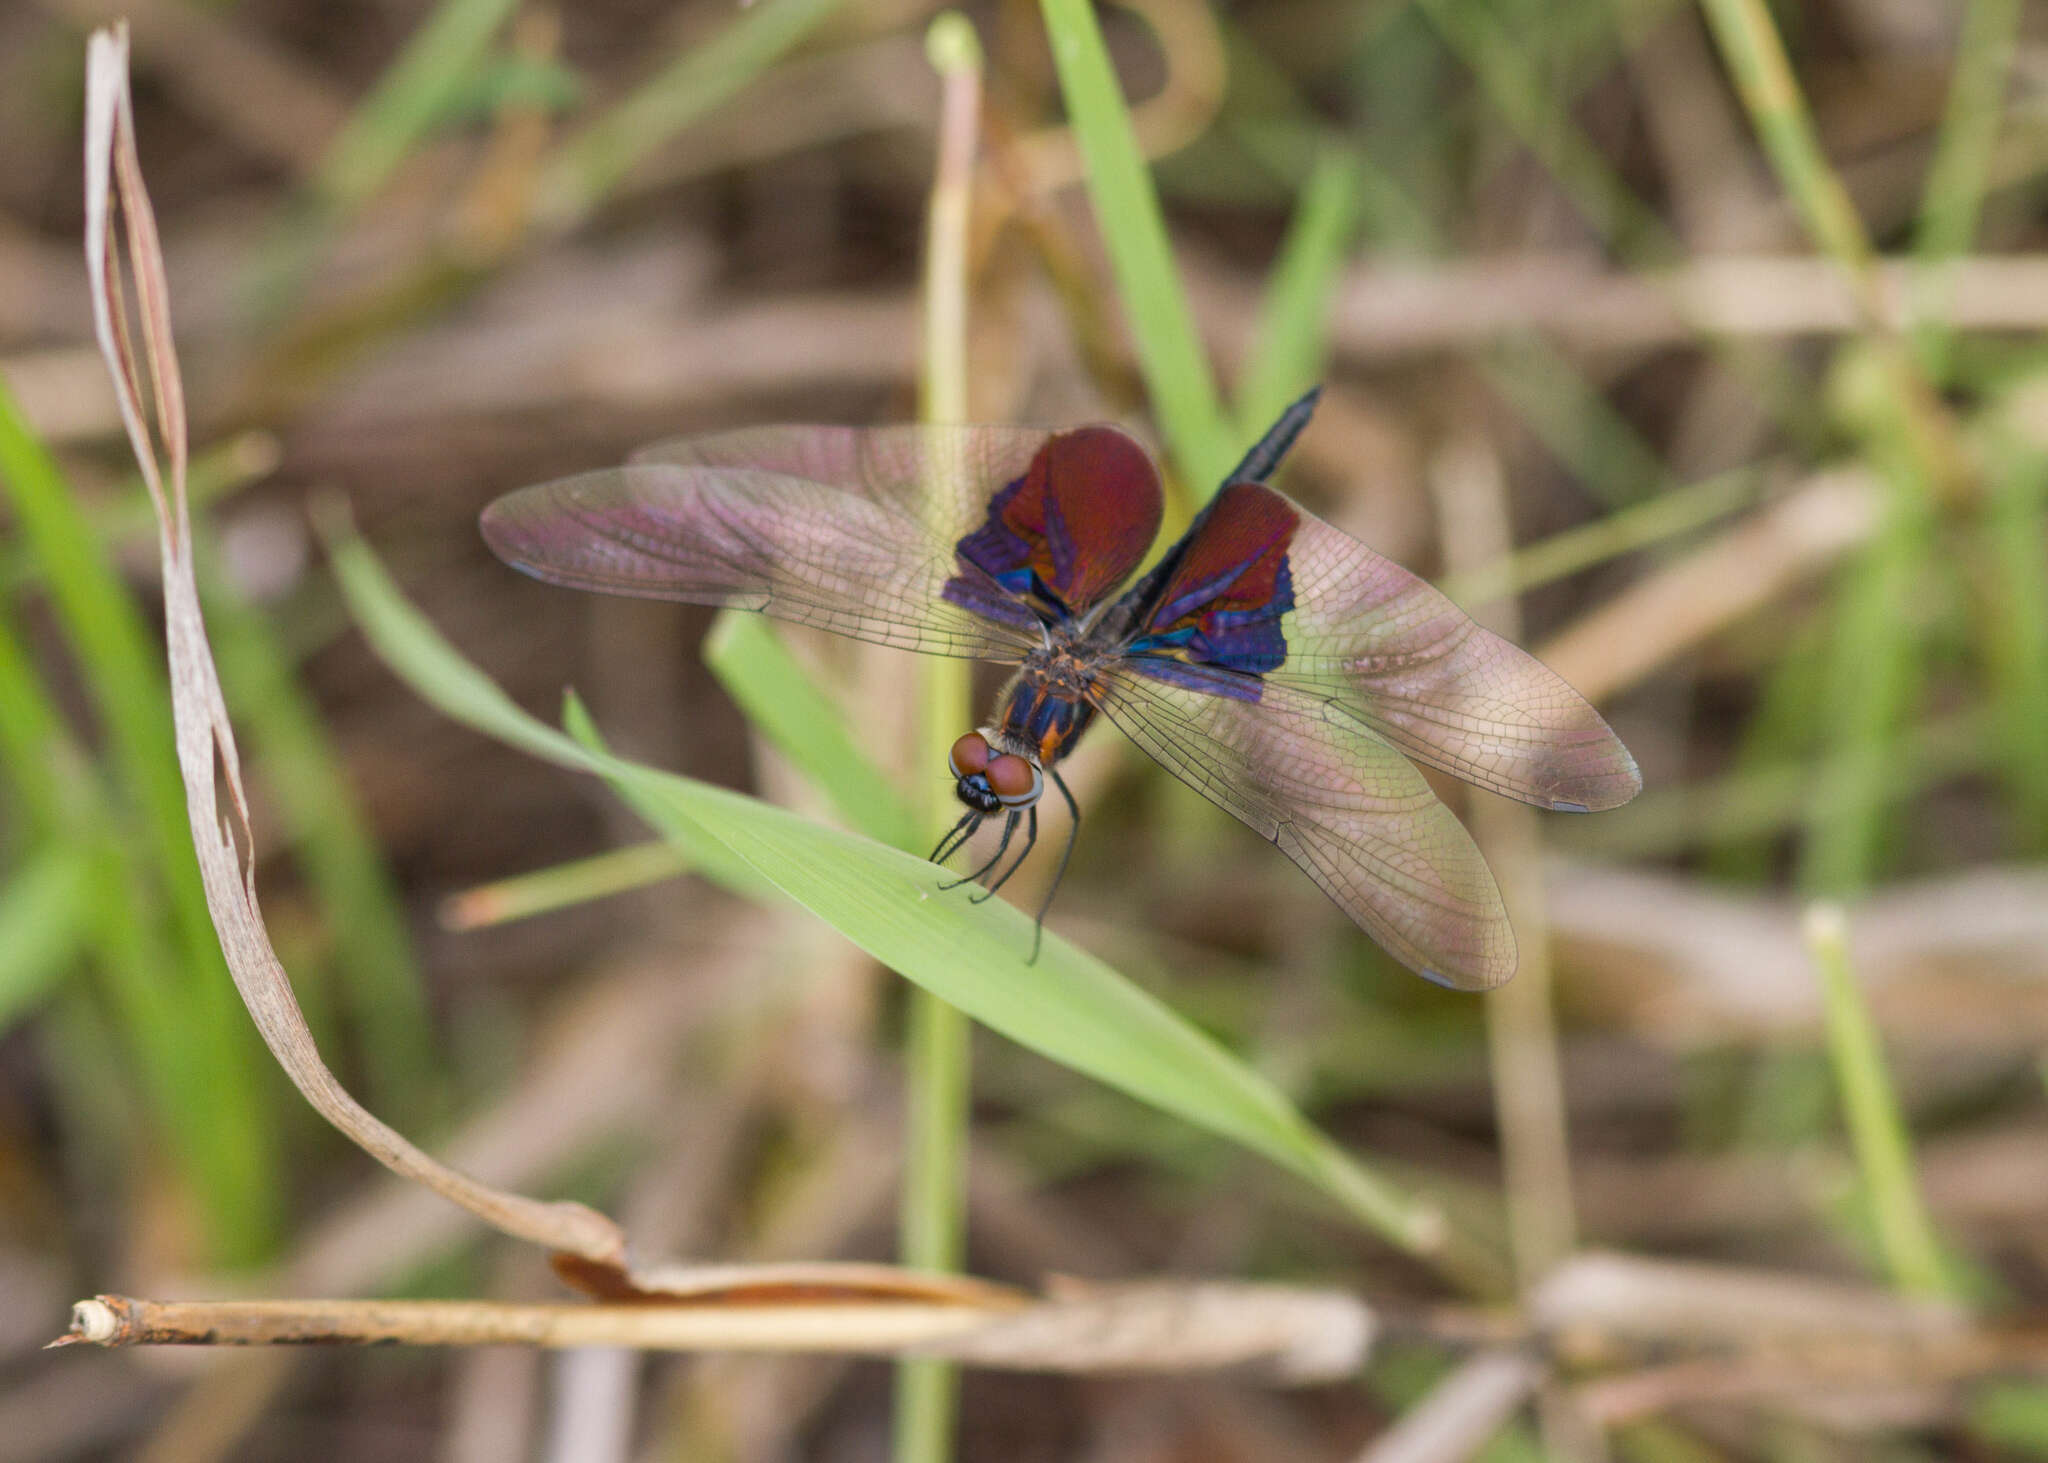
1877,1129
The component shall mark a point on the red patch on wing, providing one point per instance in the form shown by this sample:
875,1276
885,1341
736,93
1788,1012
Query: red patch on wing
1234,560
1080,518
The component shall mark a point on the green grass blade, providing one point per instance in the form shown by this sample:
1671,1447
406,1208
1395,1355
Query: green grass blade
1576,421
1877,1130
1069,1006
44,911
1876,655
1293,340
805,725
559,886
220,1097
1777,109
1642,525
1770,94
416,92
1873,673
64,806
2017,628
120,663
411,97
586,168
938,1052
2012,1416
1199,436
1500,57
1961,169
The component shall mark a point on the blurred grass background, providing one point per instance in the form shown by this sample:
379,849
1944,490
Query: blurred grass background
1733,311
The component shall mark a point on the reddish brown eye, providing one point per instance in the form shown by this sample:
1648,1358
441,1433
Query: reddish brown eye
1012,777
970,755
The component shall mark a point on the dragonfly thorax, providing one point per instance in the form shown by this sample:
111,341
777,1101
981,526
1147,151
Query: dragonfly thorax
1048,703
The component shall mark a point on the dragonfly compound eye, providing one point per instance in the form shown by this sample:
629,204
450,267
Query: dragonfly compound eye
969,755
1016,781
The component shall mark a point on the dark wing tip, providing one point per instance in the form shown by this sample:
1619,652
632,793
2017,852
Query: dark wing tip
499,525
509,532
1490,973
1489,963
1588,777
1617,784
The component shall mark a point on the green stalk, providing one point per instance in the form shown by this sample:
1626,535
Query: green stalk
1756,59
407,101
937,1055
2016,643
413,94
1667,516
1293,339
560,886
590,165
1877,1130
1962,165
1199,437
44,910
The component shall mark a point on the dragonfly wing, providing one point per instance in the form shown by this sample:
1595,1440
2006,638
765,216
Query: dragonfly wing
1058,519
1333,796
862,565
952,540
1260,585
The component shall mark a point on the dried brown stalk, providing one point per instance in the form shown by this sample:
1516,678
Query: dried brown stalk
1764,1372
1289,1335
1521,1025
1462,1411
1736,574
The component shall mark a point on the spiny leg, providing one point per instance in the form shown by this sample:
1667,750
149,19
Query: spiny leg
1073,833
1009,827
961,832
1030,839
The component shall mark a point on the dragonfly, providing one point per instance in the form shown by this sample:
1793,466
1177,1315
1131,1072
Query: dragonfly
1276,665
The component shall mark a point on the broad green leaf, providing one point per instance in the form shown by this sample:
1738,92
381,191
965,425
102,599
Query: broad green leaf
1068,1006
805,725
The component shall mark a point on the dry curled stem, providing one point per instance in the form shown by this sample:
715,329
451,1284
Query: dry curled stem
207,759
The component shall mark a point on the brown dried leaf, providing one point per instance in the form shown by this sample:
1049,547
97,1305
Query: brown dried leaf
221,832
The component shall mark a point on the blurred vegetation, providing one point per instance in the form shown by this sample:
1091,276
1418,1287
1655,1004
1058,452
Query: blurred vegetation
1743,307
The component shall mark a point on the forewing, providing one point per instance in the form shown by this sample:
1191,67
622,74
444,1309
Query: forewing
1334,797
849,530
1332,619
1056,519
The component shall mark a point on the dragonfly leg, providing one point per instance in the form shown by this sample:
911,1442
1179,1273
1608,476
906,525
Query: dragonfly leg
1030,839
961,832
1009,827
1073,833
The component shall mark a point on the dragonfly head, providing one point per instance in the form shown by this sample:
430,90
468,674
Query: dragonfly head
989,781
